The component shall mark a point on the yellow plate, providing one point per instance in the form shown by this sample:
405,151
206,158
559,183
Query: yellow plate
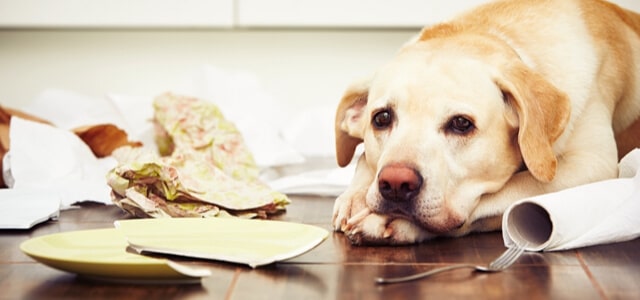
100,254
251,242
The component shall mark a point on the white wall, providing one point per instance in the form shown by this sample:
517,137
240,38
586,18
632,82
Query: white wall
297,67
144,47
43,45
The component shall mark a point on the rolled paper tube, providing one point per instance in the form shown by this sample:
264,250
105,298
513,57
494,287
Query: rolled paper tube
591,214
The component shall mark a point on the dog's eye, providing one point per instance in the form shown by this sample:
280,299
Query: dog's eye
460,125
382,119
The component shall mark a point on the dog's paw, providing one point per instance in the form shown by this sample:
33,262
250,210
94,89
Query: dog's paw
368,228
345,207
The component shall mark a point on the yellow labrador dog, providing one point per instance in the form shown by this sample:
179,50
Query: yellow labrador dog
511,100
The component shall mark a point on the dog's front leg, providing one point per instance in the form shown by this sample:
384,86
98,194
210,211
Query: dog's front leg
367,228
353,200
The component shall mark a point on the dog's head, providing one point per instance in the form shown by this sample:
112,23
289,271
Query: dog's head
444,124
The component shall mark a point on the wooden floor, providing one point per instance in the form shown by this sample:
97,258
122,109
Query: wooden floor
337,270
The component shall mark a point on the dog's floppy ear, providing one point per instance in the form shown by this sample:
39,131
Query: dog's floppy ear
349,124
543,113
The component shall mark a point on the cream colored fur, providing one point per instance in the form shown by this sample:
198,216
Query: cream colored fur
548,86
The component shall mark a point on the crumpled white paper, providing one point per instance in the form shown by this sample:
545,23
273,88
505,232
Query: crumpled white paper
592,214
47,158
311,132
69,110
21,209
322,182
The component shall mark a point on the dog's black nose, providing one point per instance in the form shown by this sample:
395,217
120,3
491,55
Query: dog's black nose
399,183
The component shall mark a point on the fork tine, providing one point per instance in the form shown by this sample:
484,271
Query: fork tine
507,258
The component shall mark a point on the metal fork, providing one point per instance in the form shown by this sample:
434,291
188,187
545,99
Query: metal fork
500,263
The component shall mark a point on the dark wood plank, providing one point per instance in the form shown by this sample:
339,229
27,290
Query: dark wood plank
614,268
338,270
356,282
